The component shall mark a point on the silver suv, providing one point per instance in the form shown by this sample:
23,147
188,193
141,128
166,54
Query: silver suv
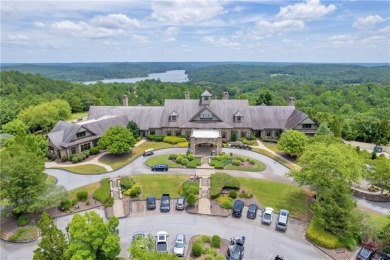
180,245
282,220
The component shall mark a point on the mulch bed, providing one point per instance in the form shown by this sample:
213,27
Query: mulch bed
222,250
9,224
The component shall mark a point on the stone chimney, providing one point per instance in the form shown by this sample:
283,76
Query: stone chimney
225,95
186,95
291,101
125,101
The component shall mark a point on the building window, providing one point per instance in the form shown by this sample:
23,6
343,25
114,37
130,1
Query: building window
172,118
268,133
85,147
237,119
224,134
205,98
306,126
188,133
152,131
95,142
277,133
243,134
169,132
73,150
81,134
206,116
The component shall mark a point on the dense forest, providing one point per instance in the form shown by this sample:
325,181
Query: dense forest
353,100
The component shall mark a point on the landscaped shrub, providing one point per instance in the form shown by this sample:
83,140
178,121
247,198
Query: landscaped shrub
86,153
252,137
242,159
191,199
155,138
227,204
186,187
94,150
184,161
236,162
135,191
172,156
183,144
251,161
196,249
75,159
208,257
190,157
87,203
179,159
234,137
194,163
233,194
127,192
193,190
127,182
216,241
220,180
220,257
245,195
174,139
65,205
82,195
23,220
321,237
64,158
102,194
109,202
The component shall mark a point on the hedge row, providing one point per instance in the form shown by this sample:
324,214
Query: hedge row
218,181
321,237
155,138
103,193
174,139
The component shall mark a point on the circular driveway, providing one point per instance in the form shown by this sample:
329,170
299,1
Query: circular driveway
262,242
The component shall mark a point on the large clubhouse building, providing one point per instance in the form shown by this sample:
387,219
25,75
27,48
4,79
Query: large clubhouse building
181,117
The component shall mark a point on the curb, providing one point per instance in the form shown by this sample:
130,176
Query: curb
22,242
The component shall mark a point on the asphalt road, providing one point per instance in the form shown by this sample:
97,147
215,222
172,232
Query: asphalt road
274,171
262,242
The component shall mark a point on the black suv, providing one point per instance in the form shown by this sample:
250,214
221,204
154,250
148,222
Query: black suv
150,202
252,211
160,167
237,208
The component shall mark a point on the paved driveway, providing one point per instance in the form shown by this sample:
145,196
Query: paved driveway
262,242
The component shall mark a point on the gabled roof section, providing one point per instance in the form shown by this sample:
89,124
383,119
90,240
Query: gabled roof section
270,117
204,109
295,119
206,94
174,113
238,114
63,132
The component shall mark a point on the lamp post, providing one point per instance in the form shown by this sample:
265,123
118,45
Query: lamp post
67,232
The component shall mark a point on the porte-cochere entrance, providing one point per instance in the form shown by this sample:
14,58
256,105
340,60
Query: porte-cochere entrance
206,142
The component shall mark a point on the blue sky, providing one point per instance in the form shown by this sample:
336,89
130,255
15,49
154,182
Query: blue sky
204,30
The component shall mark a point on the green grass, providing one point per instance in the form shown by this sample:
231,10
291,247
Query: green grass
259,166
90,188
280,160
117,162
102,194
377,220
24,234
163,159
277,195
157,184
273,147
75,116
220,180
86,169
50,179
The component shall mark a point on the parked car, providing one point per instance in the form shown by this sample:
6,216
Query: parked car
162,242
151,202
278,257
148,152
367,252
165,203
236,249
283,219
160,167
385,257
237,208
180,245
180,203
267,215
252,211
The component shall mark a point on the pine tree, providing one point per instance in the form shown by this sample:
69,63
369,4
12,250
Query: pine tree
53,243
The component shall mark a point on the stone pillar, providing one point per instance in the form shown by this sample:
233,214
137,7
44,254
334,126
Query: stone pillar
291,101
125,101
225,95
193,145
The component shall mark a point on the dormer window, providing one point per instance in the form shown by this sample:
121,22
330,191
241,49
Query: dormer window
206,116
172,118
238,117
81,134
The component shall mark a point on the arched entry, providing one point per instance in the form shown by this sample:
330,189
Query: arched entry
204,142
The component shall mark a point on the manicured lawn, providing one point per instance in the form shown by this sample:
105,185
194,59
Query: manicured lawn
90,188
280,160
24,234
75,116
272,146
50,179
277,195
163,159
102,194
377,220
86,169
259,166
157,184
117,162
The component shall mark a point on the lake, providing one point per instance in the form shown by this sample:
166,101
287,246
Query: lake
168,76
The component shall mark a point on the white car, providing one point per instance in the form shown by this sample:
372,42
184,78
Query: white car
267,215
180,245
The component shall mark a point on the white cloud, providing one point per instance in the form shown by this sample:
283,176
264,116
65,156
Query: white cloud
40,24
220,42
342,40
114,21
368,22
140,38
281,25
186,11
307,10
17,38
169,34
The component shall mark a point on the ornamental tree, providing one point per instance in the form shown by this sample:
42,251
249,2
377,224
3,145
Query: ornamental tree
134,128
117,140
92,238
379,173
292,142
53,243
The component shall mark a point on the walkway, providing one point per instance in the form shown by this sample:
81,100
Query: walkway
204,174
117,194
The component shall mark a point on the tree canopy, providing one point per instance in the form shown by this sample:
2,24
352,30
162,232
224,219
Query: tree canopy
117,140
53,243
134,128
92,238
379,173
292,142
